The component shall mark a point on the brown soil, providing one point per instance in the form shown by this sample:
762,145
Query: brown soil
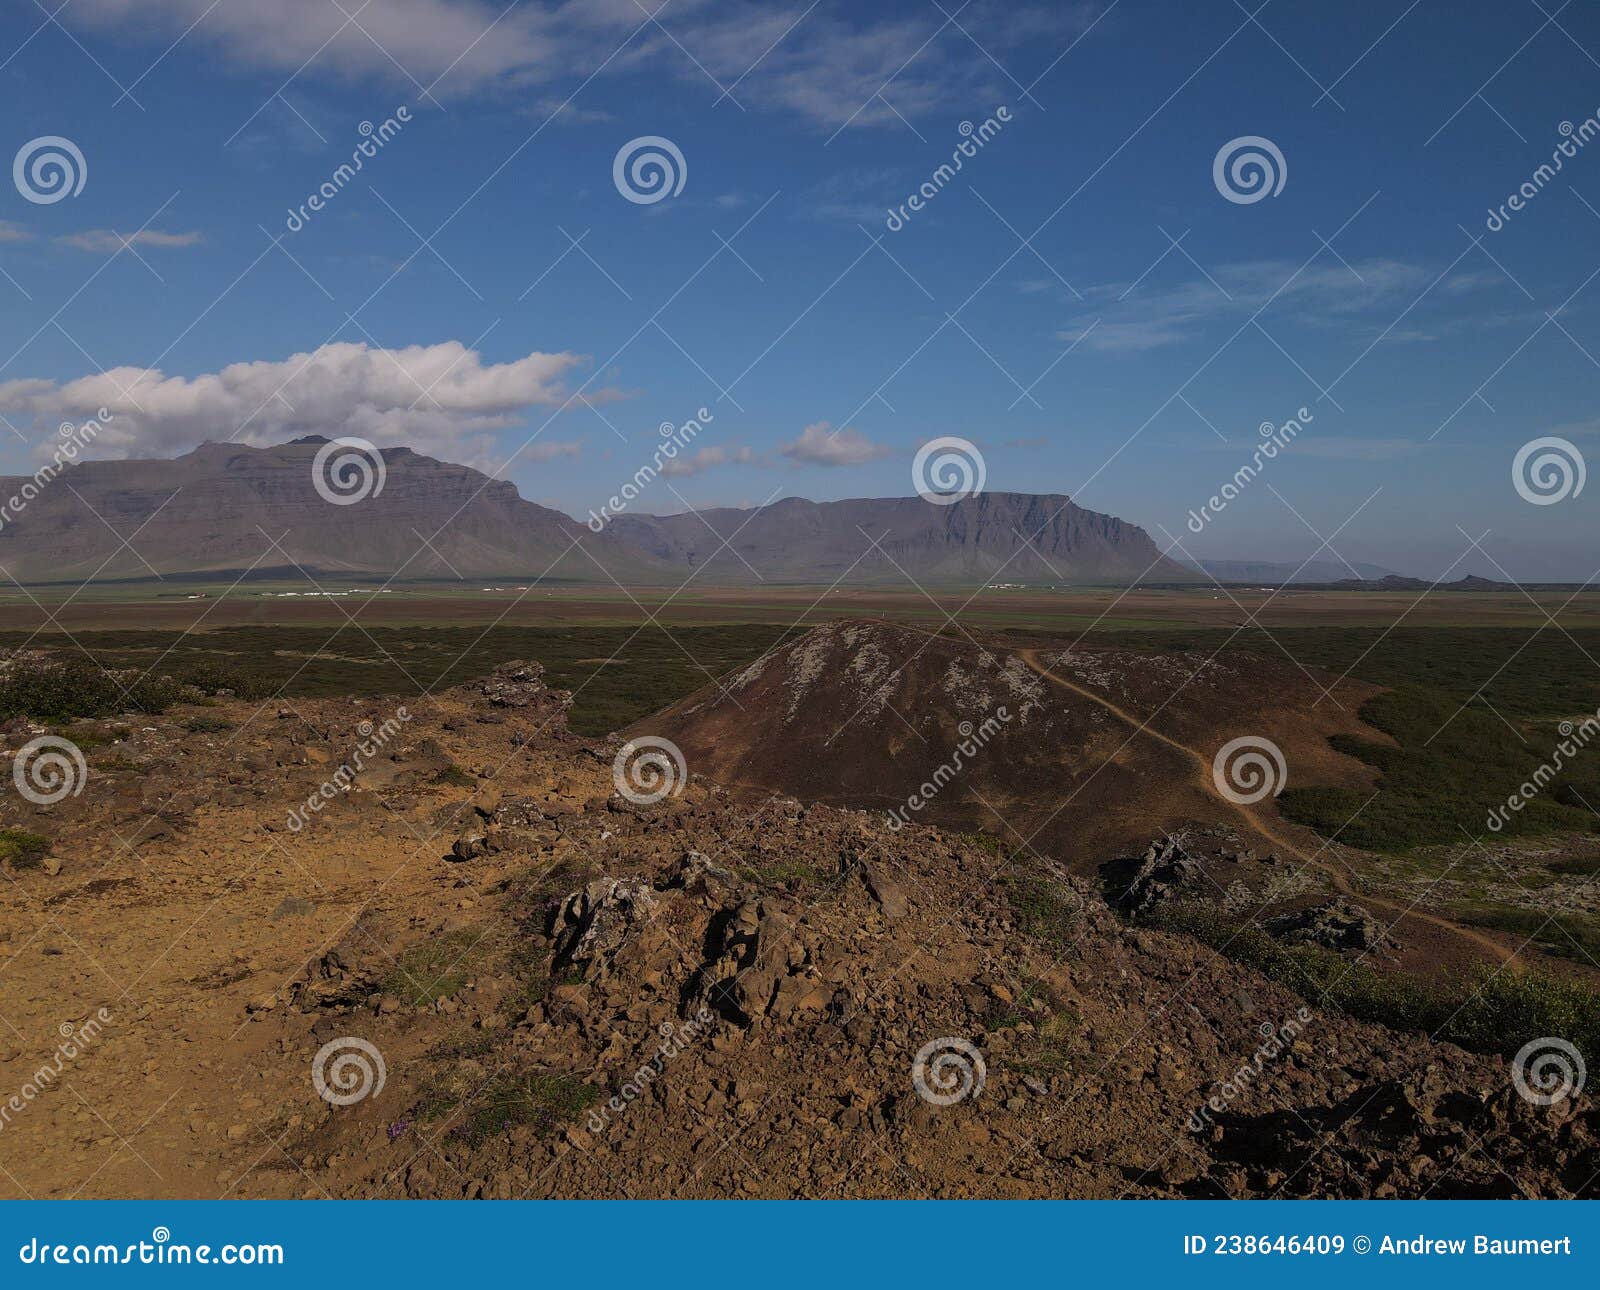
513,937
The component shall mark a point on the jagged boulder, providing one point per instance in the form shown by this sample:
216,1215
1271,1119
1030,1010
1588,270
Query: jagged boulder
519,685
1334,924
596,921
1166,872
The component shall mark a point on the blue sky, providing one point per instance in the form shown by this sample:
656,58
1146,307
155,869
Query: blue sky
1036,305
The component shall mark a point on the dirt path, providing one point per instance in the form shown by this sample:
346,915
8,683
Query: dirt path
1338,874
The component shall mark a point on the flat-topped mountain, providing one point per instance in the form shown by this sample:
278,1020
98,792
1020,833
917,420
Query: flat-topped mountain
1015,537
226,509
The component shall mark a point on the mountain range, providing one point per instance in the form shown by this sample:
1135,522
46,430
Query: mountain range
226,509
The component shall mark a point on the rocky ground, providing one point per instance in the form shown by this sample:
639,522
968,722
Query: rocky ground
471,966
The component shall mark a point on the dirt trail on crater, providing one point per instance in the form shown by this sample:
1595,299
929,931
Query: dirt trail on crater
1337,874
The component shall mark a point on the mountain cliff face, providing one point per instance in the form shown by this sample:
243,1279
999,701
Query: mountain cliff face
226,508
1014,537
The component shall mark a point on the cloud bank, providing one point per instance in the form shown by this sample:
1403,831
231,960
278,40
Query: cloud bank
825,62
442,399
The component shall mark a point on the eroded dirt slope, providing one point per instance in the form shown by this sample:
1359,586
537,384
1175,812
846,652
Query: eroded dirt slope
573,994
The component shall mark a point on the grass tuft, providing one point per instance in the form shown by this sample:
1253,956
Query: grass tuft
22,850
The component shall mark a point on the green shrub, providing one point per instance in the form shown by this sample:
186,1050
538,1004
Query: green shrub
64,690
1489,1012
1452,768
211,677
22,850
1043,907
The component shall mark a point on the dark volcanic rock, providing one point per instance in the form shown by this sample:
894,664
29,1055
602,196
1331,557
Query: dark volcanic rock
1334,924
1166,872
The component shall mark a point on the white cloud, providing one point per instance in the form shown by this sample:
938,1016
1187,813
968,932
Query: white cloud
552,450
1146,315
107,240
707,458
12,232
441,399
828,66
821,445
563,112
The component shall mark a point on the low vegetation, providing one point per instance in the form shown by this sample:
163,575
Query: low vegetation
1491,1012
20,849
1043,907
70,688
1452,768
1474,710
433,969
617,673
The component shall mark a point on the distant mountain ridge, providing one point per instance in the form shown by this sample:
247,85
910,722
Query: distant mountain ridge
227,509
